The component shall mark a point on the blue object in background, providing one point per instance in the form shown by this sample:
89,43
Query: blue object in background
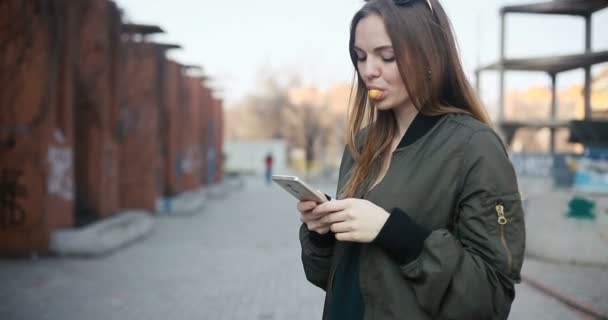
268,175
167,204
211,165
592,171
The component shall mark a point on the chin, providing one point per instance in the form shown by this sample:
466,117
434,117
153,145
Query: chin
383,105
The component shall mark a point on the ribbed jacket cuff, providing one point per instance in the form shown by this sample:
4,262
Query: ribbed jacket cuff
401,237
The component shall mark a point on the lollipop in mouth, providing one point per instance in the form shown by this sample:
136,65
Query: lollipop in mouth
374,93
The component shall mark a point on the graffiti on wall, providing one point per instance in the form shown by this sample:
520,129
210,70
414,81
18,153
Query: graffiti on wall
186,164
11,213
129,121
60,180
189,161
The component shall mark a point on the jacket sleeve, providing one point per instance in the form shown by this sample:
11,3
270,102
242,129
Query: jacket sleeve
318,250
316,256
470,271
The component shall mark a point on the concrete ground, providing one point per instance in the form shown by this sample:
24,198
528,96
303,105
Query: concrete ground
238,258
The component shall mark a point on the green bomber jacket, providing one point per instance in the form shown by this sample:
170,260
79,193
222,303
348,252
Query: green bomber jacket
457,182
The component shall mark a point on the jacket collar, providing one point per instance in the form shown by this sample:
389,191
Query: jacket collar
419,127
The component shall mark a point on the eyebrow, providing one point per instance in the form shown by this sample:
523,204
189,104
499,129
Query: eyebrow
380,48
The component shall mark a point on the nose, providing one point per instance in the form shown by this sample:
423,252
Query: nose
370,68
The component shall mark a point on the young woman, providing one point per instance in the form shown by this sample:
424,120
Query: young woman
429,224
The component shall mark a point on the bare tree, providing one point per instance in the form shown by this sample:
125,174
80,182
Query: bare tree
309,127
270,114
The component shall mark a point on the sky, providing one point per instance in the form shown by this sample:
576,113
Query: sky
238,41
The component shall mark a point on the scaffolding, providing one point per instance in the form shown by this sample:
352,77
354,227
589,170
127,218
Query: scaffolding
552,65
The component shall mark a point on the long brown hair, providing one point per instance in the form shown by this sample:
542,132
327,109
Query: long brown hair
429,64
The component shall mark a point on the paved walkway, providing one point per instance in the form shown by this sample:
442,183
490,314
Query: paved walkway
237,259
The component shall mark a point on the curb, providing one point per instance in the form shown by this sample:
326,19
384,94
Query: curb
110,234
598,265
103,236
571,302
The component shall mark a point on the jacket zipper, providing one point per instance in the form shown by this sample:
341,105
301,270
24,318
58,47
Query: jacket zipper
502,221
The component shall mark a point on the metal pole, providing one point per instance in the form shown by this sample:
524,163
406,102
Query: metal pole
553,111
501,69
587,90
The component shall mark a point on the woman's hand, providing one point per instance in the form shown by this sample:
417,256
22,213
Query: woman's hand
311,219
354,220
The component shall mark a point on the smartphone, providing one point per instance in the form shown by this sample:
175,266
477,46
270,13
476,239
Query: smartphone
299,189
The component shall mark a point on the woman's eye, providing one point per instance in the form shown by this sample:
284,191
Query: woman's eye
361,59
391,59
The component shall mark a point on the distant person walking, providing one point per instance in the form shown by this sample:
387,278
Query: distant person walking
268,161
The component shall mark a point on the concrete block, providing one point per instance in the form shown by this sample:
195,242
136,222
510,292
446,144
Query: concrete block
552,235
103,236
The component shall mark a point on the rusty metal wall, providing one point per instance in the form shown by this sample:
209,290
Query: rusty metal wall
190,153
138,127
36,134
95,110
218,124
172,129
213,137
205,119
93,121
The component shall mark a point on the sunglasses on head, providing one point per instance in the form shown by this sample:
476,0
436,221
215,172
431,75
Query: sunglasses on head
404,2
